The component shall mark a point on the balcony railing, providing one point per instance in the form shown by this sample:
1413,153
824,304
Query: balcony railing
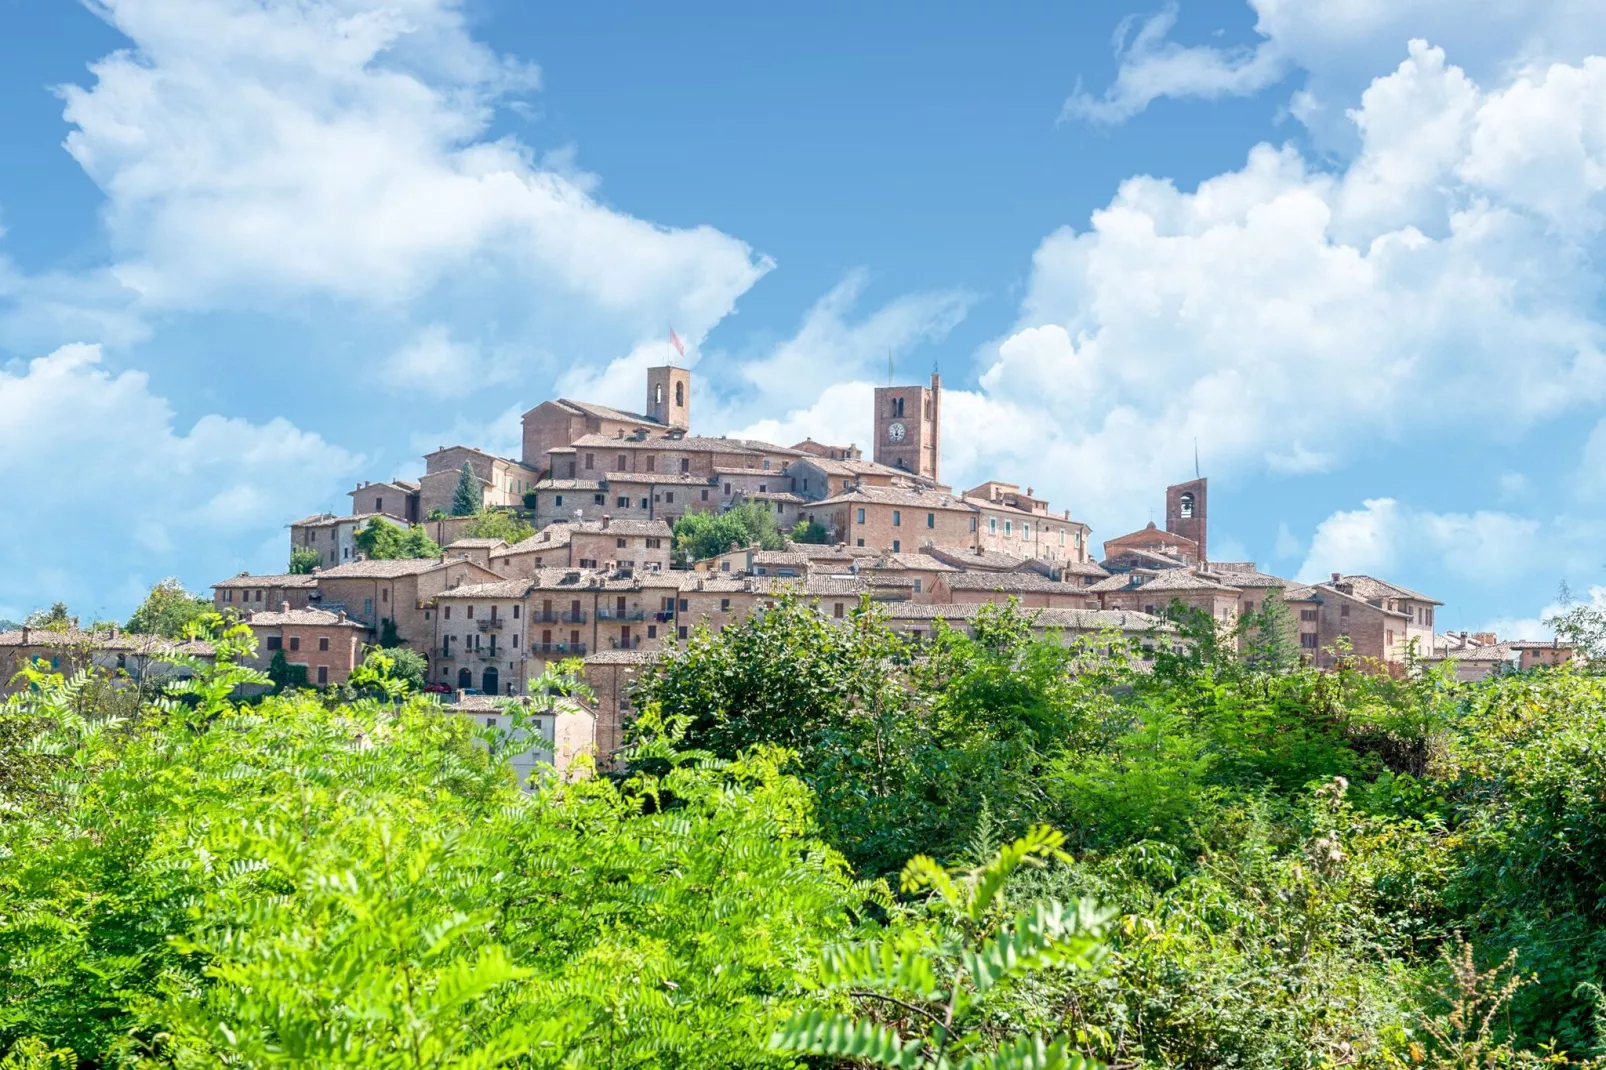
488,624
618,643
605,613
489,653
567,616
664,616
558,649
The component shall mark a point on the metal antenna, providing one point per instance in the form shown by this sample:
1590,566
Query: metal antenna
1196,459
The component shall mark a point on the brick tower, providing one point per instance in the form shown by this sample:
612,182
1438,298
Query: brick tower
908,427
1185,512
669,396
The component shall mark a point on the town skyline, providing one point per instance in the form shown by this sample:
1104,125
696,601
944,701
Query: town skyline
1230,233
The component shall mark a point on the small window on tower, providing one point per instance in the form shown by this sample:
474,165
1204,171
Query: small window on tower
680,395
1185,507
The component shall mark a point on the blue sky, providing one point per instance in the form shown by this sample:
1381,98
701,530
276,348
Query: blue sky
255,250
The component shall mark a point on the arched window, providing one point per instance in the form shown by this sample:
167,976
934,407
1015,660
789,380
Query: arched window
680,395
1185,506
658,394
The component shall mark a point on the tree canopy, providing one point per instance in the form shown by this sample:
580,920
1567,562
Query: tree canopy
700,535
498,524
303,559
380,540
168,611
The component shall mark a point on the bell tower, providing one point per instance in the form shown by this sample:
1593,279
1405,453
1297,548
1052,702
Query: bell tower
669,396
908,427
1186,512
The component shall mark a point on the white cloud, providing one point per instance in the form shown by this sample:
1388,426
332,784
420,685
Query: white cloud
1534,627
1284,316
1152,66
1336,43
254,152
1386,539
110,483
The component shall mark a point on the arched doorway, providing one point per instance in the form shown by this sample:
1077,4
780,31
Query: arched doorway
465,678
490,682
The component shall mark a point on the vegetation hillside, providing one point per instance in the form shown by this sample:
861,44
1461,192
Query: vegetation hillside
832,849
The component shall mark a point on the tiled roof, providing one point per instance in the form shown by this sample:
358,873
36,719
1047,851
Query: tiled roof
475,544
924,562
120,642
245,579
407,566
1169,579
606,412
971,560
1369,587
320,618
658,443
1241,577
773,496
808,587
1034,582
569,484
1327,590
659,479
1079,568
323,520
1147,557
498,589
622,527
1088,620
779,557
911,497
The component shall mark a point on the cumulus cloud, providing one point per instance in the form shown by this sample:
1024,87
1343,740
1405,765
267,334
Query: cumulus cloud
1335,43
254,152
1283,315
103,470
1383,538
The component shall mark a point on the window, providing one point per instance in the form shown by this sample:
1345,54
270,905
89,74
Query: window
367,607
274,642
681,631
724,605
727,490
618,544
931,520
861,517
622,465
644,503
446,613
259,596
622,502
680,395
992,525
591,460
588,562
652,463
836,610
724,566
669,496
379,505
384,594
1343,611
1062,536
1308,614
861,542
1389,637
515,612
1185,506
1009,527
323,674
896,546
598,499
1307,640
897,518
295,642
683,604
557,500
972,523
917,585
705,495
655,544
469,612
323,642
685,464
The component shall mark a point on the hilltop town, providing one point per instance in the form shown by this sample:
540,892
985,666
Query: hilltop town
599,578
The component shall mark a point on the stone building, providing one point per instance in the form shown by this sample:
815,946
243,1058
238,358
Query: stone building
334,538
400,592
1031,589
606,542
1379,620
126,659
897,518
395,497
327,645
502,481
1151,591
246,592
1020,524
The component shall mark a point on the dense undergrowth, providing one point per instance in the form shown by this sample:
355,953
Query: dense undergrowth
1250,865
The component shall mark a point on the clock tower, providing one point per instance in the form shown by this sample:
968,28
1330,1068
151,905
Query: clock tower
907,427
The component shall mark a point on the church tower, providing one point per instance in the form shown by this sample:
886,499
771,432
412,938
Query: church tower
669,396
1185,512
908,422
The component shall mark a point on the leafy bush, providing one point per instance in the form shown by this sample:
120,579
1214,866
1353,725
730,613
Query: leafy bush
303,559
168,611
498,524
380,540
700,535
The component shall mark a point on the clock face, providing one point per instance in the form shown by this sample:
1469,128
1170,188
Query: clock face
895,431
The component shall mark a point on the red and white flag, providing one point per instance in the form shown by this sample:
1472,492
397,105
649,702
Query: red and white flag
675,341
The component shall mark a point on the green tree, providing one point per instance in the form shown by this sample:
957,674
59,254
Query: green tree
283,674
469,497
303,559
55,619
168,611
808,531
380,540
700,535
923,990
498,524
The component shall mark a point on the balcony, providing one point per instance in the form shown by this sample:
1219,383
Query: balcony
633,643
489,624
568,616
558,650
489,653
615,613
664,616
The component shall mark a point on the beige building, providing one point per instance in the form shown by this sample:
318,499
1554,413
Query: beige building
128,660
1380,621
1031,589
631,544
394,497
373,592
1021,525
897,518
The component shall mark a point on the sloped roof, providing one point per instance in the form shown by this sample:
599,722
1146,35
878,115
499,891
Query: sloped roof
1370,587
622,527
287,580
320,618
1013,582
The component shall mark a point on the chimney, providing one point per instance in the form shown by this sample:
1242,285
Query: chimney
1336,578
979,551
284,607
605,519
342,616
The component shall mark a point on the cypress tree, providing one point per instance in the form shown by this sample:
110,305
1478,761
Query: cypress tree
466,500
